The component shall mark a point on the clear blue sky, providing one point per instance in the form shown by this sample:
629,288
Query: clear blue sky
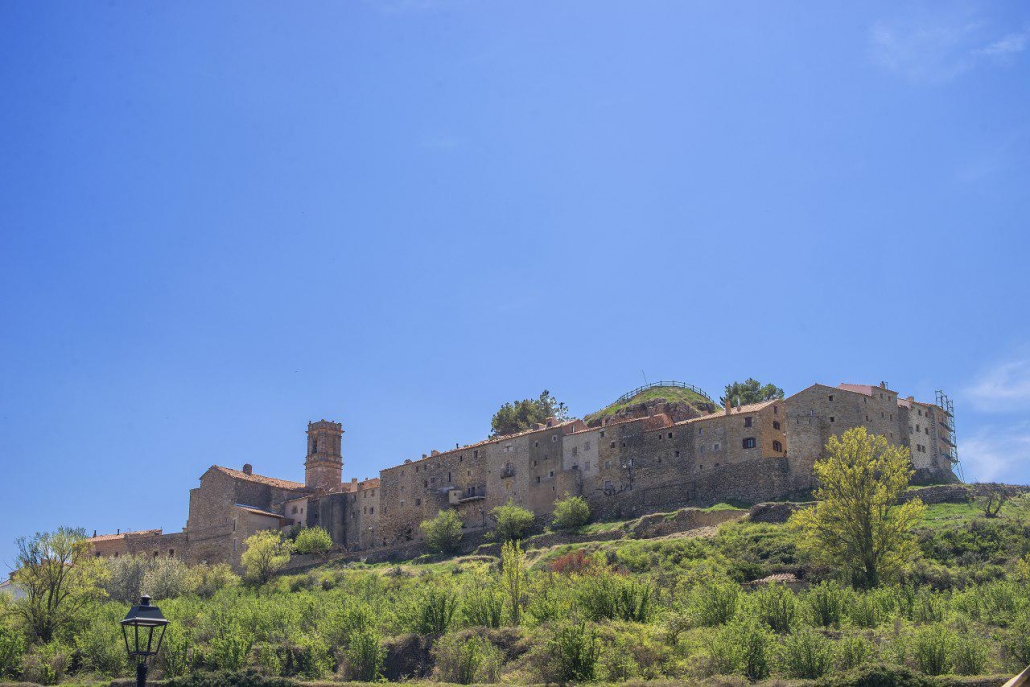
221,220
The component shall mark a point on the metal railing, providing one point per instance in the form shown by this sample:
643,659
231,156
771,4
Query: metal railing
652,385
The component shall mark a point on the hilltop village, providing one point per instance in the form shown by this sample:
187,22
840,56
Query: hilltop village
653,454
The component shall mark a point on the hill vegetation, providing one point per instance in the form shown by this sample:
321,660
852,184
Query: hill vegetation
652,599
671,394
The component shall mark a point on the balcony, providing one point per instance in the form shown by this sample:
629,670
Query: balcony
457,496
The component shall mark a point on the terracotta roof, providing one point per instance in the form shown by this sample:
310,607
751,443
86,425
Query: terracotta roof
749,408
260,511
260,479
123,535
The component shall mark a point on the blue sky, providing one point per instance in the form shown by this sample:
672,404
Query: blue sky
221,220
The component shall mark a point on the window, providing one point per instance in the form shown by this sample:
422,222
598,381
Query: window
778,447
607,464
371,510
702,449
670,435
715,447
418,502
171,553
749,442
475,454
575,450
613,445
677,454
624,444
700,431
538,479
607,485
294,509
776,424
448,477
536,443
833,419
747,422
234,543
554,438
586,445
831,398
552,474
776,410
602,434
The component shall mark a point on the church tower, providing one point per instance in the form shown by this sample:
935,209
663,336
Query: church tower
323,467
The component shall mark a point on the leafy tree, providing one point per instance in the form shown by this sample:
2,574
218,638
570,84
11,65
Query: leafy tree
443,533
858,523
264,554
513,522
519,416
514,578
313,540
58,575
571,512
991,497
750,391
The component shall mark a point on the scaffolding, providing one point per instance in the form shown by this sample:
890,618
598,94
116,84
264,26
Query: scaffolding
947,430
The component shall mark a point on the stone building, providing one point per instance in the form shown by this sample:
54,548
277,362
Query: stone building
646,457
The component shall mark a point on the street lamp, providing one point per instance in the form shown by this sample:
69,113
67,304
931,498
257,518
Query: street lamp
143,619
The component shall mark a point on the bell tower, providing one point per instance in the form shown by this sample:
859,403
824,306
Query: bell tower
323,467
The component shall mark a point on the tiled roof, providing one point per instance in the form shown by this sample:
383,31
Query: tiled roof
123,535
260,511
749,408
260,479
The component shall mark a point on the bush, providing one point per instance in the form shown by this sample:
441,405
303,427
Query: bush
826,603
742,647
443,533
574,650
878,675
513,522
932,649
432,612
969,655
715,604
465,660
176,656
264,554
1017,646
607,596
313,541
483,606
230,679
570,512
230,647
101,648
776,606
807,655
852,651
209,579
364,657
46,664
12,647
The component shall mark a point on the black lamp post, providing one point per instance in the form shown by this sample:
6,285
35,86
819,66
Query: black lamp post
144,619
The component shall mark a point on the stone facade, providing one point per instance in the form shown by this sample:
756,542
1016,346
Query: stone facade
649,457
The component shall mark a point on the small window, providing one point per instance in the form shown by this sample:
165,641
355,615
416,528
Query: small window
778,447
607,485
538,479
831,398
833,419
371,510
586,445
749,442
715,447
171,553
702,449
475,454
624,444
552,474
536,443
448,477
418,502
677,454
607,464
613,445
700,431
554,438
747,422
294,509
776,424
602,434
670,435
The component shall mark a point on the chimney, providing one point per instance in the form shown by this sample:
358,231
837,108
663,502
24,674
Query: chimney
248,469
729,403
354,480
118,531
883,385
94,534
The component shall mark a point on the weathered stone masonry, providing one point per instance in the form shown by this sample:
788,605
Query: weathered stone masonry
648,458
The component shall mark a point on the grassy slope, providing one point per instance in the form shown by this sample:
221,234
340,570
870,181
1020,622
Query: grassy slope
669,393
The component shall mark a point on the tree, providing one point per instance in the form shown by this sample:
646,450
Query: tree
58,575
513,522
513,578
443,533
571,512
264,554
750,391
313,540
858,523
991,497
519,416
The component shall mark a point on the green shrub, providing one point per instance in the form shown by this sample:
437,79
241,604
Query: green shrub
852,651
807,655
878,675
513,522
570,512
465,660
743,647
930,606
932,649
483,606
313,541
433,611
443,533
101,648
969,655
715,604
866,610
1017,645
607,596
12,647
364,657
175,657
230,647
209,579
46,664
550,602
826,603
776,606
574,650
313,657
230,679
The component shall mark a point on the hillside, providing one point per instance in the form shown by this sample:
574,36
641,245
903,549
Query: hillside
670,597
670,392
